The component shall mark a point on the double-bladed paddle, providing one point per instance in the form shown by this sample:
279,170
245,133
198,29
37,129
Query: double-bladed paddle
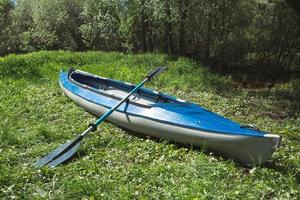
67,150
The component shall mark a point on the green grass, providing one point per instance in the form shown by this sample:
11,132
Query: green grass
36,117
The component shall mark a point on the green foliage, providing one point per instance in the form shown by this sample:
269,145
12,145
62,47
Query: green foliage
6,7
36,117
48,24
100,29
223,34
275,38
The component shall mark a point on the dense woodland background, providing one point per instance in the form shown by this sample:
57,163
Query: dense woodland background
260,38
252,42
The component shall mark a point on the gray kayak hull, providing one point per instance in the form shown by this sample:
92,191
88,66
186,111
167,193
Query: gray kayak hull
247,150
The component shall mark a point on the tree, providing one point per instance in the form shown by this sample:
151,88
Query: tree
275,34
6,7
48,24
100,29
220,33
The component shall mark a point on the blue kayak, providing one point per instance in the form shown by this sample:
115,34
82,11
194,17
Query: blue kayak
160,115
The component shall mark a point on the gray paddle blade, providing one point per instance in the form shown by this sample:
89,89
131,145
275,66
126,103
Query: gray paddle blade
156,72
58,152
64,157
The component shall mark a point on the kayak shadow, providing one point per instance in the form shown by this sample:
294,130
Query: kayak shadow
177,145
218,157
284,169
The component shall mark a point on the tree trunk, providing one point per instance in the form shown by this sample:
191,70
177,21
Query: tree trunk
223,31
208,33
168,28
183,13
150,37
144,27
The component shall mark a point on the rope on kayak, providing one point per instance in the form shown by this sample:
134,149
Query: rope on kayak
250,126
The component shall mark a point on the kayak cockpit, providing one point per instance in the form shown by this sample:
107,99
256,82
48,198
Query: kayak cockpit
165,108
118,89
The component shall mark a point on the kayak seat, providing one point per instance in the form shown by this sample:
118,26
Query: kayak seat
161,99
103,87
135,97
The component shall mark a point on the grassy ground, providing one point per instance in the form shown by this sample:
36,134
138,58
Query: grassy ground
36,117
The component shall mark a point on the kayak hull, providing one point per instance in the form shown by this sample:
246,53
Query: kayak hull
248,150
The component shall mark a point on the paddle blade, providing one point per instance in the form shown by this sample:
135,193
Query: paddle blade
64,157
67,148
156,72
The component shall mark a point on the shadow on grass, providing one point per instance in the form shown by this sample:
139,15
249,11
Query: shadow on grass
274,165
284,169
178,145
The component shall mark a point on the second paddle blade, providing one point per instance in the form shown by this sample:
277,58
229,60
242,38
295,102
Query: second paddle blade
60,154
156,72
65,156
